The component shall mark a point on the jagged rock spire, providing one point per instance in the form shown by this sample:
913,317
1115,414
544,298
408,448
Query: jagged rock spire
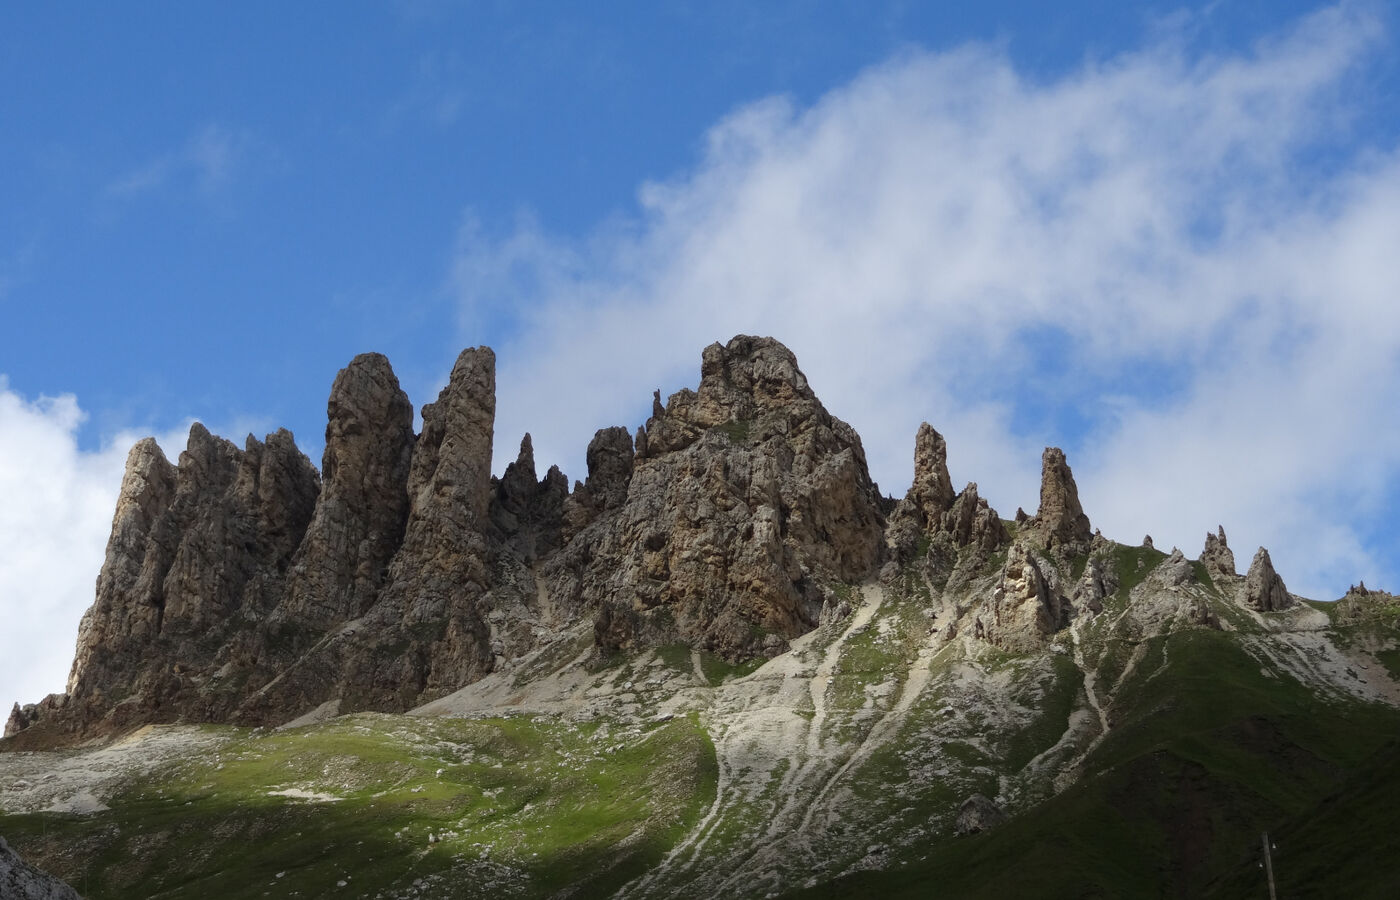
1263,588
528,514
1217,556
972,522
932,492
1060,518
360,516
451,470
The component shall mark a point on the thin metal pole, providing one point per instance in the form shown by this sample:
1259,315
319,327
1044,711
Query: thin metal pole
1269,867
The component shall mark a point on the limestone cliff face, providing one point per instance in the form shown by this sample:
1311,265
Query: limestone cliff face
198,556
743,498
360,516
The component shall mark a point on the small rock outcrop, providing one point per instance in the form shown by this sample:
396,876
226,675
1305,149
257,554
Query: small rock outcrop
971,522
977,814
1060,519
610,459
1097,583
1263,588
21,881
1360,604
1217,556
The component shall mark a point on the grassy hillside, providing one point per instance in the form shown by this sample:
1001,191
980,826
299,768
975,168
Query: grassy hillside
373,805
1205,755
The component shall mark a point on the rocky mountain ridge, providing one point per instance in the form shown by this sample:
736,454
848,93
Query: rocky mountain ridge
244,586
722,664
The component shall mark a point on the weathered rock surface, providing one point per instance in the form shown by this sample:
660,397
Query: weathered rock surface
1361,603
1027,606
1217,556
362,511
610,459
976,814
241,585
1060,519
932,513
971,522
747,496
528,515
1263,588
931,495
426,631
198,555
21,881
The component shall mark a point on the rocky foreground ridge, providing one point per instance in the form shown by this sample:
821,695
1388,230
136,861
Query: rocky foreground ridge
244,586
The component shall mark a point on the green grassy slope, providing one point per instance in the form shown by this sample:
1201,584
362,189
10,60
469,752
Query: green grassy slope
1204,756
514,807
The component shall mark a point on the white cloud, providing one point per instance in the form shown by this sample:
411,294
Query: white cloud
53,523
1139,260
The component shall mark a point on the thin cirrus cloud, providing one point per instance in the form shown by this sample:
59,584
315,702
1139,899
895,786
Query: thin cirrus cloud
1141,260
206,162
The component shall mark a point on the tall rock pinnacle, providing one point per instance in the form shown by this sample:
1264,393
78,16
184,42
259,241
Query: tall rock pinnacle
129,600
932,492
450,477
1060,518
1263,588
1217,556
363,508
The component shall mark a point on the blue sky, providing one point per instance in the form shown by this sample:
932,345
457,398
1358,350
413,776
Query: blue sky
1159,235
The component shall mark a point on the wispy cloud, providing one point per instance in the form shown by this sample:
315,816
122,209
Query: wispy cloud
205,163
1141,260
